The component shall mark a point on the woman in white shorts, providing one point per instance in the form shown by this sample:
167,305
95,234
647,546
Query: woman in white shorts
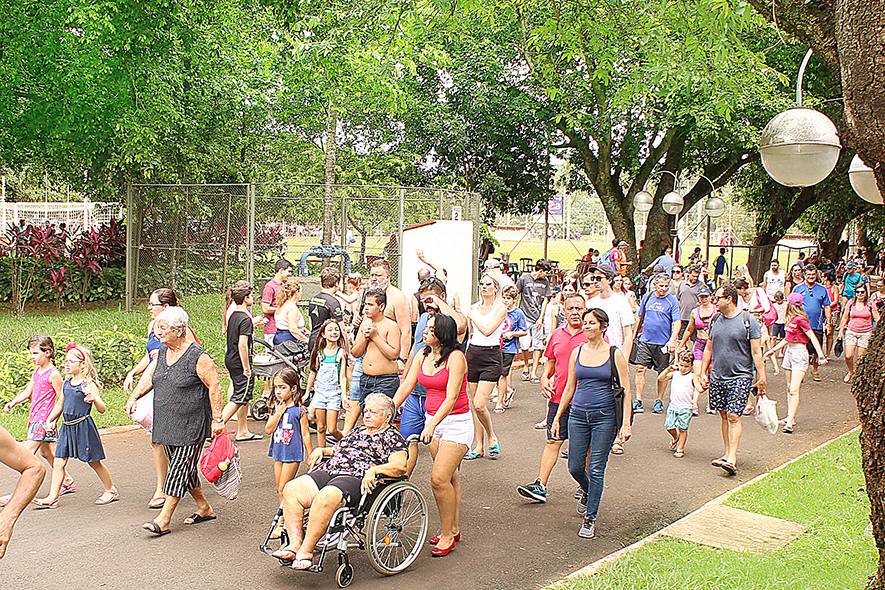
448,422
795,363
858,319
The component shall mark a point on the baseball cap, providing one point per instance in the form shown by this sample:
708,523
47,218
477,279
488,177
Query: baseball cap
795,298
704,291
605,269
851,265
622,243
492,263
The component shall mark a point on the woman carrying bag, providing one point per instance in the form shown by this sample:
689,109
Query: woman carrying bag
600,410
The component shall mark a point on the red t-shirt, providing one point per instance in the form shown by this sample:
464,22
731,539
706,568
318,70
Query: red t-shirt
269,296
796,330
436,390
559,348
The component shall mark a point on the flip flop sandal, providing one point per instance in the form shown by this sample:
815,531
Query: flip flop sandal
498,410
197,518
4,500
157,502
717,462
541,425
673,445
679,454
525,375
470,456
729,468
67,489
749,411
43,504
617,449
535,380
302,564
103,502
508,397
788,429
494,451
248,438
283,554
153,528
815,377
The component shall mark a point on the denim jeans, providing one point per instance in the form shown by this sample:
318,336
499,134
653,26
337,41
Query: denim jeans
592,432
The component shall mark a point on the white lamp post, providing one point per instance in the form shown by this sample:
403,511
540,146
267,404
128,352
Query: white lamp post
863,181
800,146
643,201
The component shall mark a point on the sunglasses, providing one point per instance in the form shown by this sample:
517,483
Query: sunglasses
486,284
594,279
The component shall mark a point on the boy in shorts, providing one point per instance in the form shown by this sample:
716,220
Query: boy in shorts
515,326
238,360
682,393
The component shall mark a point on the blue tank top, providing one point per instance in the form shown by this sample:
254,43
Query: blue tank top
152,343
593,392
286,444
75,406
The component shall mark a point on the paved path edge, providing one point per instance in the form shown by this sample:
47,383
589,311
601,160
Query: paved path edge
597,565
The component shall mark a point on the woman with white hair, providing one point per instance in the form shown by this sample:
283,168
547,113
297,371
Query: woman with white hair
187,408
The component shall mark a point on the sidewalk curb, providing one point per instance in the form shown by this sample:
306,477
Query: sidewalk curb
118,429
597,565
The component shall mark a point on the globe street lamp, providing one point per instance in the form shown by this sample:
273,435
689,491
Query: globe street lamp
863,181
800,146
672,203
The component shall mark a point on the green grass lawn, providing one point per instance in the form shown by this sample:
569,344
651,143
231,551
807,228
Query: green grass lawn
205,313
824,490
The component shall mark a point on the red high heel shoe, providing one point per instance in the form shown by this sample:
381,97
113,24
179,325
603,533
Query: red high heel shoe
435,540
438,552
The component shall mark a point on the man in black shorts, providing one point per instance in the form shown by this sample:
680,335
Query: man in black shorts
659,321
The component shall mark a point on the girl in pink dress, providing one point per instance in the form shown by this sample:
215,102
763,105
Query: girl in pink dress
42,389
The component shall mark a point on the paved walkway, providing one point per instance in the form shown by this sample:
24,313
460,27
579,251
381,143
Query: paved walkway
507,542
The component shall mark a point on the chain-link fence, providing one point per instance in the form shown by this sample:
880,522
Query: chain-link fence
197,239
72,216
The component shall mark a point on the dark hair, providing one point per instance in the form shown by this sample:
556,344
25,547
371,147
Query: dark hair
722,250
166,296
239,291
600,316
320,344
44,343
809,267
741,284
432,284
329,277
729,292
685,356
615,242
542,265
292,378
281,264
446,331
377,295
510,291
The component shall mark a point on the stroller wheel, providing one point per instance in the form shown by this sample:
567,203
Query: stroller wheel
259,410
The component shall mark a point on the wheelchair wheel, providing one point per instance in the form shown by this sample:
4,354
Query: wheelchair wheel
345,575
259,410
396,528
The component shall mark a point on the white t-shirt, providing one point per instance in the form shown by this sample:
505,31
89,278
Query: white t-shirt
681,391
619,313
774,283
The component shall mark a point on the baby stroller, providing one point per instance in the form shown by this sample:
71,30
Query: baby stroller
293,354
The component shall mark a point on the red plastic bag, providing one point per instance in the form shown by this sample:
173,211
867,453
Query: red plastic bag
218,454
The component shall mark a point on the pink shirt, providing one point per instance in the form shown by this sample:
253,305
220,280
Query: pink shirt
560,348
860,319
269,296
42,395
796,330
436,385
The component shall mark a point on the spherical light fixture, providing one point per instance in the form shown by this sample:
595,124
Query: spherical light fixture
799,147
672,203
863,181
714,207
643,201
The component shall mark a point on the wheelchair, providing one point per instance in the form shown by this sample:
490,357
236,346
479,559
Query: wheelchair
389,524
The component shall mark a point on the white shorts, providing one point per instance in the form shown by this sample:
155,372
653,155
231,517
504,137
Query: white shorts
525,342
457,428
860,339
795,357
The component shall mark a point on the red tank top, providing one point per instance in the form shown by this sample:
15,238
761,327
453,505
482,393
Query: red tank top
436,389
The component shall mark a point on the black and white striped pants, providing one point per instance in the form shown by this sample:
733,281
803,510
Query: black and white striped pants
184,469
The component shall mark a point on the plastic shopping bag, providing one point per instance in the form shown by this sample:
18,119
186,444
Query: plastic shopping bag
766,414
143,413
217,456
228,483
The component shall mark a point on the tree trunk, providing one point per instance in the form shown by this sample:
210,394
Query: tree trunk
329,189
761,254
869,391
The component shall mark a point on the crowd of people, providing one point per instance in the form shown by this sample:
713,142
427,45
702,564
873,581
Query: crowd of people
400,370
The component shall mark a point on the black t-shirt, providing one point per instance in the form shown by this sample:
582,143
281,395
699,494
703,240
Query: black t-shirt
238,325
322,307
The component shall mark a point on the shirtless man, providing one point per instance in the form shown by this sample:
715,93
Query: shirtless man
397,309
378,342
17,457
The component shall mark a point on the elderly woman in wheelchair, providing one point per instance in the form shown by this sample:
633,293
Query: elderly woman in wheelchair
341,489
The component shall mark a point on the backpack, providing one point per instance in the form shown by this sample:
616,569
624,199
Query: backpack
744,313
607,257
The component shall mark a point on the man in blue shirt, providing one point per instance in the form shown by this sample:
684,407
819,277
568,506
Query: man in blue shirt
816,303
719,270
659,322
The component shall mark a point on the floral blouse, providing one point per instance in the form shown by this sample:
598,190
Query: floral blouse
358,451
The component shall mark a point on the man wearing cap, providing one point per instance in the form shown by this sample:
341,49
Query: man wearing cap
816,303
493,268
687,295
659,324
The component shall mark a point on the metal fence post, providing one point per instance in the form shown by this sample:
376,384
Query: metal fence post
473,201
399,245
130,222
250,240
343,232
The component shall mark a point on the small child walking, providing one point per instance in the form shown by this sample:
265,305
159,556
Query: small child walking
288,419
682,392
328,378
43,389
778,331
78,435
515,327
